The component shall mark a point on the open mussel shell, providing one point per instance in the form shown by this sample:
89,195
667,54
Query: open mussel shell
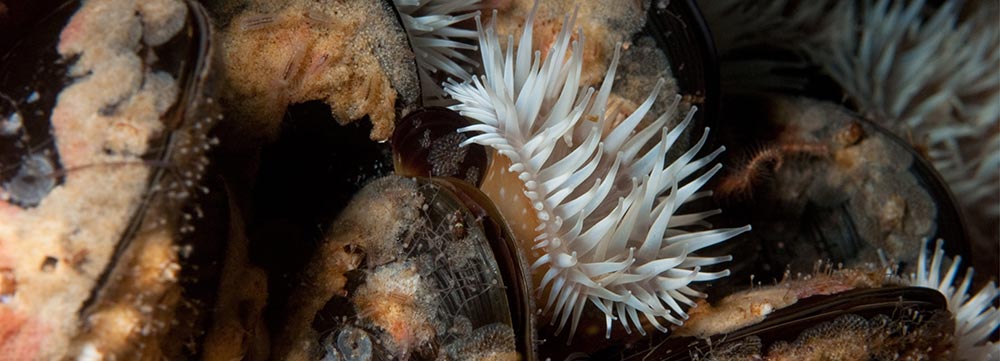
105,131
886,320
510,261
422,268
837,188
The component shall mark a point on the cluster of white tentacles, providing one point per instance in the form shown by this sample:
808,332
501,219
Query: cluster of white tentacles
436,39
975,318
610,232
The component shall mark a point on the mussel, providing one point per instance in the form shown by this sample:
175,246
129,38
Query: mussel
107,107
905,66
890,322
842,189
415,268
352,55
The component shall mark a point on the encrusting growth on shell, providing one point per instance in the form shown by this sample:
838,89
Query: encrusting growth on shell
609,231
352,55
975,318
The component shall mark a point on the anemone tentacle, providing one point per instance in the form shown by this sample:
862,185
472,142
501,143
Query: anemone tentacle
975,318
437,41
606,199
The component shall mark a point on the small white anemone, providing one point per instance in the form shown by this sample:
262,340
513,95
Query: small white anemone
605,199
975,318
437,42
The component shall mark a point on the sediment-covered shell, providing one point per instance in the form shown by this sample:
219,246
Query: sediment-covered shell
840,189
352,55
106,110
890,322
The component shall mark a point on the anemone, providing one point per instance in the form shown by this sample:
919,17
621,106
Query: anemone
437,41
934,78
975,318
903,66
606,202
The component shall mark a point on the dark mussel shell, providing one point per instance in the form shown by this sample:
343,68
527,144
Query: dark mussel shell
426,143
907,308
837,188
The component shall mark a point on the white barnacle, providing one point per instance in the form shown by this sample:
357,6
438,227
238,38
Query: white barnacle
975,318
437,41
604,199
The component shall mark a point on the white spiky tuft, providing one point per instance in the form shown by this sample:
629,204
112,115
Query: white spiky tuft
437,43
975,318
933,78
905,66
610,232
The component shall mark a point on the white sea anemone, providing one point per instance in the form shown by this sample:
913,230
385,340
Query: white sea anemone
437,42
934,78
975,318
598,188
